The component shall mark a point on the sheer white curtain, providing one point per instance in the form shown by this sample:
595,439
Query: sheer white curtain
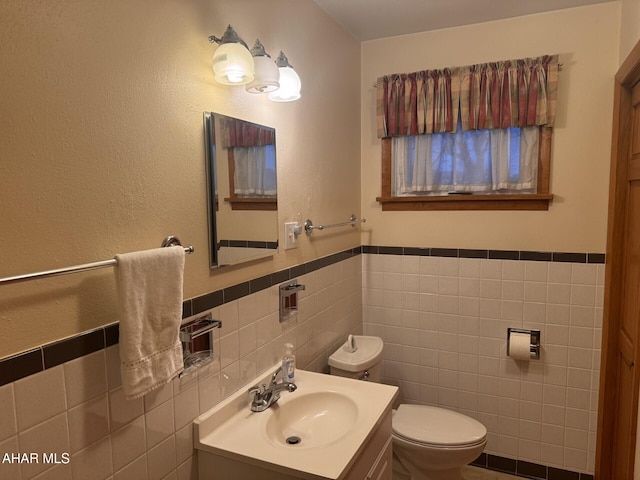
255,171
476,161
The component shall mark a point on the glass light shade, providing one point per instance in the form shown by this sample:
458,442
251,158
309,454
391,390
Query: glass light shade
266,77
289,86
233,64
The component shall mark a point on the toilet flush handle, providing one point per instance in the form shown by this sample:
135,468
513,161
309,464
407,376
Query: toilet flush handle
351,344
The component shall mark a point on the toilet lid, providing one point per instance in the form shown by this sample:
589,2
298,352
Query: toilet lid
437,426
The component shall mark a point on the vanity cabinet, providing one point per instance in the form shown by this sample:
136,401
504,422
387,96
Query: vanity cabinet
373,461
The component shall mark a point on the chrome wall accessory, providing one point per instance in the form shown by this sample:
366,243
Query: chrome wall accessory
289,299
309,227
197,342
535,341
170,242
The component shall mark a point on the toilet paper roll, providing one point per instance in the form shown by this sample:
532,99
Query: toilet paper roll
520,346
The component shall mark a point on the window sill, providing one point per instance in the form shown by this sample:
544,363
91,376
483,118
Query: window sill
242,203
467,202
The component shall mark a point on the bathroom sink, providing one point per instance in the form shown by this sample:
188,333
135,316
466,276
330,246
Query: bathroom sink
333,417
312,420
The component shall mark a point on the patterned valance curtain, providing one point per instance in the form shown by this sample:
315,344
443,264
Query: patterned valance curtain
238,133
512,93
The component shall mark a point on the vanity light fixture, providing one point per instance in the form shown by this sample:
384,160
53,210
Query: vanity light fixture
267,76
289,82
232,61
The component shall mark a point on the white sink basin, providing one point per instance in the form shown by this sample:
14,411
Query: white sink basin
311,420
333,417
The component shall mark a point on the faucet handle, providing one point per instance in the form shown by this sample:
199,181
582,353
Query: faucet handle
256,390
274,376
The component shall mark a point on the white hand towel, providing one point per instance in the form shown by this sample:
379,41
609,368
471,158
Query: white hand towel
149,285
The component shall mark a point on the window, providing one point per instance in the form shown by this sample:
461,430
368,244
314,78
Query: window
467,138
502,200
472,162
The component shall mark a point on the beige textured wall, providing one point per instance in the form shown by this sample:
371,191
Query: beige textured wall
629,27
101,144
587,40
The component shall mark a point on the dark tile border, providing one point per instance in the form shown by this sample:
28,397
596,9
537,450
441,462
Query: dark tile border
50,355
467,253
391,250
520,255
112,334
524,469
72,348
502,464
248,244
537,256
531,470
596,258
21,366
569,257
53,354
504,255
445,252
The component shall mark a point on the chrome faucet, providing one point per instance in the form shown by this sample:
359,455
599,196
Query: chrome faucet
264,397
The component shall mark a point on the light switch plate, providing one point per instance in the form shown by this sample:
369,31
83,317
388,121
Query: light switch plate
290,239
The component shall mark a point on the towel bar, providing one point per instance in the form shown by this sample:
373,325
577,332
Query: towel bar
309,227
170,241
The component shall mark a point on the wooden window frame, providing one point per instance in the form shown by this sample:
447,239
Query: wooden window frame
246,203
497,201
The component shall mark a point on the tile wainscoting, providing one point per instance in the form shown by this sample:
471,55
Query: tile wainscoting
66,397
444,314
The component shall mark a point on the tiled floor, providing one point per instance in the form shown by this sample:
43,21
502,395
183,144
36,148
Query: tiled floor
475,473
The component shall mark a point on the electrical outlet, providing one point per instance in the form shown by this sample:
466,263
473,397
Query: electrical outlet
290,238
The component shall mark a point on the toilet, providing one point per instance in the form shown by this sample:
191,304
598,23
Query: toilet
429,443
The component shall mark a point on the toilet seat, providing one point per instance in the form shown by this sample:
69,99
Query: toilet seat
410,441
437,427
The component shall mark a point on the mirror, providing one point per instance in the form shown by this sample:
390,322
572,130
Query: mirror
242,199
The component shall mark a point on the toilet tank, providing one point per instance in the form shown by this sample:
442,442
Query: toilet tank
363,363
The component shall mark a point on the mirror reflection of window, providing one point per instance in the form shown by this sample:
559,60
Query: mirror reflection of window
251,150
255,171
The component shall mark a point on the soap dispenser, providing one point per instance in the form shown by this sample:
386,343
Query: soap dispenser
288,363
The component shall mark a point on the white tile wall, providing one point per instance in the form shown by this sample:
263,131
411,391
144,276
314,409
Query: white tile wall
444,322
78,408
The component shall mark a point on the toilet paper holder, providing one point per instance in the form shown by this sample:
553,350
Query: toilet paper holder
535,340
